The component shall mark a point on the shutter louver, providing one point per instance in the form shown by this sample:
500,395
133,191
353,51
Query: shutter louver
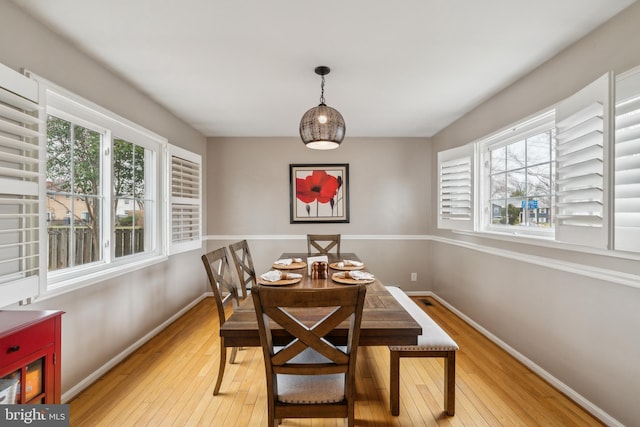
186,209
627,164
455,189
582,135
581,170
21,157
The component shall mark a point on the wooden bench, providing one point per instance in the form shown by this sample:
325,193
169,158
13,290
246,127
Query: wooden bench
434,342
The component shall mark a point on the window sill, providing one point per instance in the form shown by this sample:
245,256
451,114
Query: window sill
547,242
64,286
518,232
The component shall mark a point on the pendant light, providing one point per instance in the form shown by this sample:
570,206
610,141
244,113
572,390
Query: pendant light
322,127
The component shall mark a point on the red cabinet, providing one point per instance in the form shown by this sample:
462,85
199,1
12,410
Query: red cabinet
30,356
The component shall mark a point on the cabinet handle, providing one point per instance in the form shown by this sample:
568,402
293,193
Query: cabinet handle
13,349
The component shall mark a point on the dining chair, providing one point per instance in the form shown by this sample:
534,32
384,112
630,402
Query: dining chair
323,243
244,265
216,264
309,377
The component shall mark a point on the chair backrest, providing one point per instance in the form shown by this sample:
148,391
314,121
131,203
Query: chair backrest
323,243
284,307
244,265
216,264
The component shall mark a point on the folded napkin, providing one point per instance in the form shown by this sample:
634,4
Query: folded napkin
357,275
349,263
275,275
287,261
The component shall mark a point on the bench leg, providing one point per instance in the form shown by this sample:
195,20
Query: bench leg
394,379
450,383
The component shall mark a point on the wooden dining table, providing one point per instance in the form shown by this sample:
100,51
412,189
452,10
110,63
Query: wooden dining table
384,320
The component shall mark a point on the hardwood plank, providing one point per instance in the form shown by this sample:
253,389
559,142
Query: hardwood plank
169,381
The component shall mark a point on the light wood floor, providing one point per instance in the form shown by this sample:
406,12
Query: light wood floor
169,382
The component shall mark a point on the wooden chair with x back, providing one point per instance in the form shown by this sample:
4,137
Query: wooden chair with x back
216,264
244,265
309,377
323,243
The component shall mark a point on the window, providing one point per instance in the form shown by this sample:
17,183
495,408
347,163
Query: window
517,177
96,207
104,178
563,175
132,204
73,187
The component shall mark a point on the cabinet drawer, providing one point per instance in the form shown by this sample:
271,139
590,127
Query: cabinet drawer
24,342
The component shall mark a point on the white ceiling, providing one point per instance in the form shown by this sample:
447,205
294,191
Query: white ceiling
245,67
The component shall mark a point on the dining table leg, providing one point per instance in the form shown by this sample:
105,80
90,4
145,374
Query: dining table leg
394,380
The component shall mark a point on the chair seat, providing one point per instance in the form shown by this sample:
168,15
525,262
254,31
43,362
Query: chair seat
310,389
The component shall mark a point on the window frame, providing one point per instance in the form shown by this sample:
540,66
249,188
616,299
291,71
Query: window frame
533,125
59,102
105,136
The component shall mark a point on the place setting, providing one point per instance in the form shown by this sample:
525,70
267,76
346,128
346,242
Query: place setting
279,278
289,264
353,277
347,265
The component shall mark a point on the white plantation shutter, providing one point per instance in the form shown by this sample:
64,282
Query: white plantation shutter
455,188
21,178
583,133
185,207
627,163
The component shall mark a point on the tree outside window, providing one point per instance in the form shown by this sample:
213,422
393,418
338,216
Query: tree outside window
129,196
76,195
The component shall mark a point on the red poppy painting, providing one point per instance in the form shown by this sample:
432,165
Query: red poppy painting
319,193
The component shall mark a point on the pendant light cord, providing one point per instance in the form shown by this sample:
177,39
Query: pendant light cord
322,91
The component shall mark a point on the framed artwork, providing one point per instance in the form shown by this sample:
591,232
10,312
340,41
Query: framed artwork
319,193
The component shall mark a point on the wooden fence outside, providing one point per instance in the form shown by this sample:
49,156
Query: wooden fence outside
127,241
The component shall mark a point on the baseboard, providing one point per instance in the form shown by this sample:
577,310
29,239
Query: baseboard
562,387
78,388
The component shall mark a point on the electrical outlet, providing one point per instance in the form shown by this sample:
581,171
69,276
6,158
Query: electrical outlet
414,277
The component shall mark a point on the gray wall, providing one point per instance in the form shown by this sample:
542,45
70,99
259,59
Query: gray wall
389,185
583,329
105,319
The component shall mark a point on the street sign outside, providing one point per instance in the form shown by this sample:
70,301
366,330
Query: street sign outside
533,204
